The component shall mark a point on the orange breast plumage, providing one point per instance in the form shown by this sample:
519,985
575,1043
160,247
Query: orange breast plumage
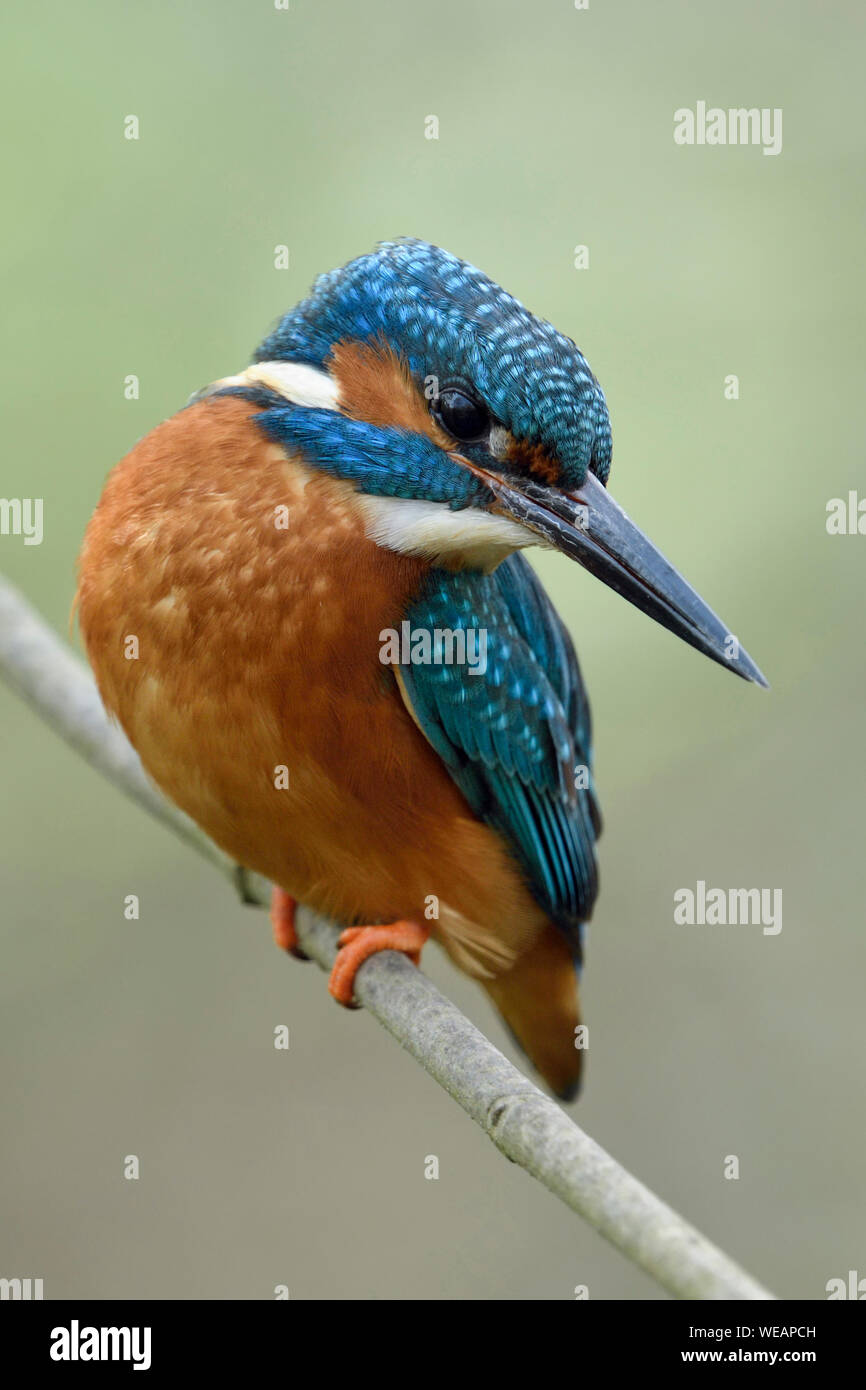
232,606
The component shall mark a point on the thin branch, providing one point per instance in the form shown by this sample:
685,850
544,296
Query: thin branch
524,1124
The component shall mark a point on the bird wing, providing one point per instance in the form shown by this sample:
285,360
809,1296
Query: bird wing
513,734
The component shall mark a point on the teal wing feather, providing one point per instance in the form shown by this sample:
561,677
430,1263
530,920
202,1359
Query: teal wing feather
515,734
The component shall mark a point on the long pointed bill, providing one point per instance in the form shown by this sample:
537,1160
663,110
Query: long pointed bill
591,528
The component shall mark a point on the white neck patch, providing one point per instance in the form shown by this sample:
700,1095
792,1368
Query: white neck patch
295,381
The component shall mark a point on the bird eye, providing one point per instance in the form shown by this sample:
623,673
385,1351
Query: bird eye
461,415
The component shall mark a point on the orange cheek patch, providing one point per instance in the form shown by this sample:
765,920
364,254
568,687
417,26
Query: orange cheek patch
374,384
534,459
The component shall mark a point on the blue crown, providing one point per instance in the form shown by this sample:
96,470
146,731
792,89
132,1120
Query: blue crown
451,322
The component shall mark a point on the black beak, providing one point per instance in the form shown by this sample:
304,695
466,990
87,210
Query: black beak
591,528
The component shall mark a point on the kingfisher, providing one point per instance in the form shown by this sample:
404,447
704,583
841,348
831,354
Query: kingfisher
305,599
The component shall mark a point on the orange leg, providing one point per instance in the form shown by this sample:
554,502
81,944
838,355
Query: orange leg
357,943
283,908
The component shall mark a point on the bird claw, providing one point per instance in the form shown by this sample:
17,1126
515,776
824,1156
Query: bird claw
358,943
283,909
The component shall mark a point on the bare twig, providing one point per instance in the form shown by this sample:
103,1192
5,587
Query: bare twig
524,1124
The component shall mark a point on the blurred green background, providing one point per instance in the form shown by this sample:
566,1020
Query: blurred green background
155,257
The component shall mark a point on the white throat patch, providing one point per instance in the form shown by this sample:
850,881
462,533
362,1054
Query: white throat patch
435,532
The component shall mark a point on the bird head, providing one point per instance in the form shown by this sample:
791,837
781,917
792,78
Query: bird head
468,427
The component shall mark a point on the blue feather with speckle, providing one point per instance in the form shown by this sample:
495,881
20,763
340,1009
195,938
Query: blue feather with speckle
512,737
452,322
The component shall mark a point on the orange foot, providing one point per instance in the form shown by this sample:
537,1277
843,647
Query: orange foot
357,943
283,908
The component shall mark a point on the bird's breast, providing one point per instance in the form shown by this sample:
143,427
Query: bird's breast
233,609
231,605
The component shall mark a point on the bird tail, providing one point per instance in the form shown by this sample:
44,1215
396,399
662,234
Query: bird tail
538,999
